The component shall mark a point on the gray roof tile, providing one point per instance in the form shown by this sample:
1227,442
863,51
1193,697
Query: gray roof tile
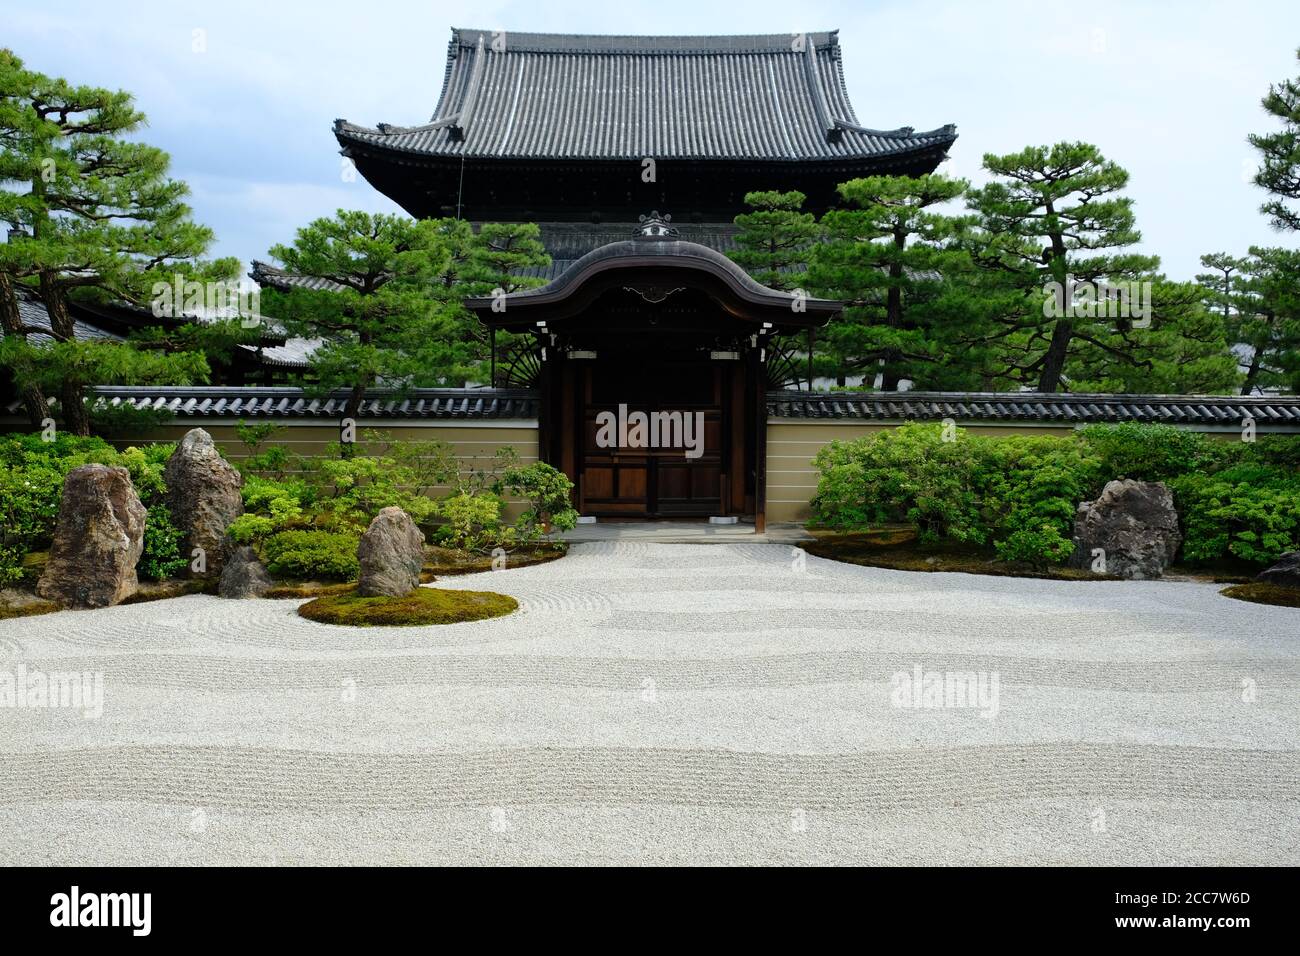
1026,407
562,96
289,402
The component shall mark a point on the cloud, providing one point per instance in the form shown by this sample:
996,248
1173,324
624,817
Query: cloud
1168,92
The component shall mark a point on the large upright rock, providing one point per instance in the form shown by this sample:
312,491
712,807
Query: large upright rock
203,497
98,538
1284,572
244,576
1135,525
391,554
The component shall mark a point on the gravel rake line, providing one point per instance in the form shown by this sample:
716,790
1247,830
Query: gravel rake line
270,780
206,672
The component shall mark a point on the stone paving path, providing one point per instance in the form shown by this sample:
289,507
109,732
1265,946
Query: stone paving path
668,703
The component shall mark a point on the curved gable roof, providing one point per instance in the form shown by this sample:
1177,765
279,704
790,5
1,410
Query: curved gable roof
613,264
778,97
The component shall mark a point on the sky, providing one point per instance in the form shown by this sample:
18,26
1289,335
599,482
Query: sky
243,94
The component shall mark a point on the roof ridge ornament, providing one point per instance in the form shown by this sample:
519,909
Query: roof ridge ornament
655,226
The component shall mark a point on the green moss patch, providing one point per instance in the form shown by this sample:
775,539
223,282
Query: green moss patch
1260,593
421,606
898,550
172,587
307,589
17,604
449,561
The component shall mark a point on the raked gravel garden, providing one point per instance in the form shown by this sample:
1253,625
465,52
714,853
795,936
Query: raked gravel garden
670,704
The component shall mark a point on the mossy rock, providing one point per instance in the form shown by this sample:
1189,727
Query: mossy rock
421,606
1260,593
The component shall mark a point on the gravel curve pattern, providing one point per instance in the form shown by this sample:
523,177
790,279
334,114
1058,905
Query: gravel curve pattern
670,704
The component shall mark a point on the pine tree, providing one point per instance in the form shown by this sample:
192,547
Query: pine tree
1267,319
1054,216
1185,351
89,214
377,320
1279,170
774,241
503,258
886,258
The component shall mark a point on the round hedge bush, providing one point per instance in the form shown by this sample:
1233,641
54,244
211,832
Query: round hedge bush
421,606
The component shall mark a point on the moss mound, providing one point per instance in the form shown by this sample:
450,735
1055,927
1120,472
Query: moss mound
898,550
26,608
447,561
307,589
1260,593
421,606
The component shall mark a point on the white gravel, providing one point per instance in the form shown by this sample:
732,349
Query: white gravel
669,703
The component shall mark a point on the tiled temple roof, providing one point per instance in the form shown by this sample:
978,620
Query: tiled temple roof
778,97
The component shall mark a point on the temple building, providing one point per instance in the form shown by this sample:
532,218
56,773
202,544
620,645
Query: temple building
649,367
643,317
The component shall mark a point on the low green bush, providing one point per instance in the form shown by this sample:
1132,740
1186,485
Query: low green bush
312,555
162,556
908,474
349,492
1017,495
471,521
1250,512
31,483
548,492
1151,452
1237,500
1028,490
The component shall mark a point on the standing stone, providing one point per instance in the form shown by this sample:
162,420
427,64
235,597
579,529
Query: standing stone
244,576
98,538
203,497
1135,525
391,554
1284,572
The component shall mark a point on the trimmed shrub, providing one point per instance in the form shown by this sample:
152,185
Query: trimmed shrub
312,555
1150,452
1017,494
909,474
548,492
473,521
1250,512
1029,489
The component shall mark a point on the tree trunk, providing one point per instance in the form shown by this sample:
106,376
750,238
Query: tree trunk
71,393
1049,379
351,410
11,320
890,374
1252,373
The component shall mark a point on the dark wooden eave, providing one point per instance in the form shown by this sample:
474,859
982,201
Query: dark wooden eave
650,266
